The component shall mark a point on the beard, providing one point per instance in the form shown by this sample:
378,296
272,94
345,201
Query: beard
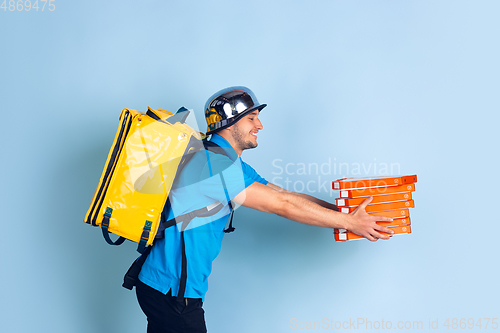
238,137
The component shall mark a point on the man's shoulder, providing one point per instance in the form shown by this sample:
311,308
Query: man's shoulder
198,168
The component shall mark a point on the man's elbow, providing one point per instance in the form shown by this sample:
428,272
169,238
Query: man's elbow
282,207
264,199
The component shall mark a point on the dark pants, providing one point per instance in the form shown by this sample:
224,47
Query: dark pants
166,315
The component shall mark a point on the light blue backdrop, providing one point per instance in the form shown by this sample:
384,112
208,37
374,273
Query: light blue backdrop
350,84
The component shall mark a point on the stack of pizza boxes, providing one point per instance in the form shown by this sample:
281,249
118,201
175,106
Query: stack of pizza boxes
392,197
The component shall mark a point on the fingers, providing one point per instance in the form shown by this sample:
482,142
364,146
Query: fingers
384,236
386,230
386,233
365,224
375,236
365,203
368,236
379,232
362,206
383,219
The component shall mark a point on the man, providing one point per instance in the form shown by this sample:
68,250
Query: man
173,280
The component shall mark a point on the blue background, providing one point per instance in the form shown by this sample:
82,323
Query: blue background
412,83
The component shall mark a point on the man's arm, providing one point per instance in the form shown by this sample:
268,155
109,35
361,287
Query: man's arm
297,208
320,202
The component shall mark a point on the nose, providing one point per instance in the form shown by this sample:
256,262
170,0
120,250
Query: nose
258,124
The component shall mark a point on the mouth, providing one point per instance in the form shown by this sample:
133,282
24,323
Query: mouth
254,134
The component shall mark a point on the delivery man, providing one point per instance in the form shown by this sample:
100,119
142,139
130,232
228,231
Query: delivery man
173,279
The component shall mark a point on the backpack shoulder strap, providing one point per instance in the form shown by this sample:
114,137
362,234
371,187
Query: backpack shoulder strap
215,148
202,212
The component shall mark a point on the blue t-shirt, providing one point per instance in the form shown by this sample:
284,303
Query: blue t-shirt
199,185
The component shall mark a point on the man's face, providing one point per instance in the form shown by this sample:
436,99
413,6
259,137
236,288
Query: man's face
245,131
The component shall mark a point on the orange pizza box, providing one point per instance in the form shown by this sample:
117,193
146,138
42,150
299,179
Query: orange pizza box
376,199
366,192
346,236
395,214
350,183
381,206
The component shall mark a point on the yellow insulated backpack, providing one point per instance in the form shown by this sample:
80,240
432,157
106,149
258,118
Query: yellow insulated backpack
147,152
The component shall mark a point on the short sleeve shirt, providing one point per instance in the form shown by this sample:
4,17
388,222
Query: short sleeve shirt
206,178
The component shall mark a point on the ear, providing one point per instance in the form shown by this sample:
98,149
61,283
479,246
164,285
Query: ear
227,129
225,133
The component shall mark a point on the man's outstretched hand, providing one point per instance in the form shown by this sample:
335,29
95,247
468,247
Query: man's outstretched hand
363,224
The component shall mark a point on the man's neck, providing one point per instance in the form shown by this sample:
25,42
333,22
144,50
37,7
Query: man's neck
226,135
